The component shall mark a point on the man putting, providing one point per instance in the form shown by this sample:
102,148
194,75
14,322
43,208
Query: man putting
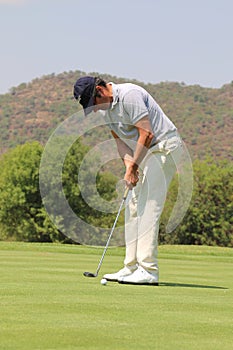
150,147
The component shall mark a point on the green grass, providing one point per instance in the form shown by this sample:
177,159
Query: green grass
47,303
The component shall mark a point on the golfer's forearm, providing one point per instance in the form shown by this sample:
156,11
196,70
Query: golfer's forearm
133,159
123,149
144,140
143,144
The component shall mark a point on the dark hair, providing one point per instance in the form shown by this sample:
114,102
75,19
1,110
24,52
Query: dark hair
99,82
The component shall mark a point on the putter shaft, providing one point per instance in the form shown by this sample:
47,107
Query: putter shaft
89,274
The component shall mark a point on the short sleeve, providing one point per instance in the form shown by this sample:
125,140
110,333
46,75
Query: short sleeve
134,105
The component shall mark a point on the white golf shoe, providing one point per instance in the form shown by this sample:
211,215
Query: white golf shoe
114,277
140,276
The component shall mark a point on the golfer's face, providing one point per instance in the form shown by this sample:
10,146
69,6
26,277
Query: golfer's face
102,103
103,99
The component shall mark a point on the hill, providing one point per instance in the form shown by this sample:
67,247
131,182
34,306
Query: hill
203,116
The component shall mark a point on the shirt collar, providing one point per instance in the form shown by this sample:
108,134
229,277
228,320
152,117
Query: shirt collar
115,92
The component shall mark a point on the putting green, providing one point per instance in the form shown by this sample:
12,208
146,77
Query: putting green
46,302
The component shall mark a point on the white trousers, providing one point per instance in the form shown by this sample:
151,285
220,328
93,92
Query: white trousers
146,201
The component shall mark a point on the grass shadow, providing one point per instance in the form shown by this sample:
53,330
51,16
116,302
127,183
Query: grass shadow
186,285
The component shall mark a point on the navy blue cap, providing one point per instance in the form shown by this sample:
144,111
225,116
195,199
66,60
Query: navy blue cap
84,89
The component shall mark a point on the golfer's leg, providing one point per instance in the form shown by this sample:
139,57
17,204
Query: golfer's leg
131,228
158,172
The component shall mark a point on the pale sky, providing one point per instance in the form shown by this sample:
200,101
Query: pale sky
147,40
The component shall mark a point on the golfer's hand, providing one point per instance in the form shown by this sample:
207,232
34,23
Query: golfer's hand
131,177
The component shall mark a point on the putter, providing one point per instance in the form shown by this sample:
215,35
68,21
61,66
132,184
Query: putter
91,274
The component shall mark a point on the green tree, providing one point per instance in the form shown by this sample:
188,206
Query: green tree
22,216
209,220
57,192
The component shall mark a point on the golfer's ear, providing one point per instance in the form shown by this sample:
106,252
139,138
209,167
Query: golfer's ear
98,91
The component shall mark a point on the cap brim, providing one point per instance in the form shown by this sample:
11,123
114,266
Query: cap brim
89,108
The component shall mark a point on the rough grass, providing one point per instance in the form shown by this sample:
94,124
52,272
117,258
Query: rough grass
47,303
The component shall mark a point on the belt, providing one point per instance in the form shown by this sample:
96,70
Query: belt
165,137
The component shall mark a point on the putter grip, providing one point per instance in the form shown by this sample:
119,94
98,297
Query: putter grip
126,193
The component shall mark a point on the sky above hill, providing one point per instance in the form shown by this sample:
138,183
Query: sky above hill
147,40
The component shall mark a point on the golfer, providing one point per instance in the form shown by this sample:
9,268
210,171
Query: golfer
150,147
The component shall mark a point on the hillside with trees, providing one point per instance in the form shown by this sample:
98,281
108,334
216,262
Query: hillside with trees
31,112
204,116
23,217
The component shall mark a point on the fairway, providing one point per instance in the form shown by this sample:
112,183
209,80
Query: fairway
46,302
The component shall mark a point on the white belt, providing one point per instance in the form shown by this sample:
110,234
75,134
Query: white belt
166,137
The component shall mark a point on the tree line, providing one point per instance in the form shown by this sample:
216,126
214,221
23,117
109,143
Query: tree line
23,217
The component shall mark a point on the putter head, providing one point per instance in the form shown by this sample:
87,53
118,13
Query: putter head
89,274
